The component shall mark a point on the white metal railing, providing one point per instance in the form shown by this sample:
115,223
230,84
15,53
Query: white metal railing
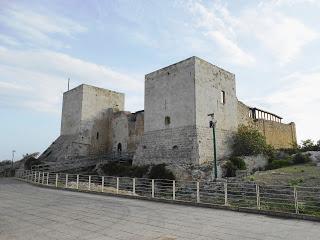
290,199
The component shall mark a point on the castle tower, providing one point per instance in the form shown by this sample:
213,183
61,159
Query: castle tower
84,103
178,99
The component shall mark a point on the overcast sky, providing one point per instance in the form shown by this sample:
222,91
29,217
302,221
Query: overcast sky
273,48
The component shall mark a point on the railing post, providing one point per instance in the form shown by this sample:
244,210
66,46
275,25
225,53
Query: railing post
57,177
78,181
134,186
66,181
35,177
102,184
296,204
258,196
89,187
198,192
42,177
225,194
152,188
117,185
173,190
39,177
48,174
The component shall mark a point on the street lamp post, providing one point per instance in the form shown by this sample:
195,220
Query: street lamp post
13,151
212,124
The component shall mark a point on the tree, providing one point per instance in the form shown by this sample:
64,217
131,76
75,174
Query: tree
308,145
249,141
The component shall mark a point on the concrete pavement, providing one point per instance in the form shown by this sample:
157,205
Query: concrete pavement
30,212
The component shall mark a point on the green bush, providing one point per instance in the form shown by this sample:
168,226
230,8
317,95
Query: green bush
123,170
249,141
274,164
300,158
234,164
161,172
309,145
238,163
230,169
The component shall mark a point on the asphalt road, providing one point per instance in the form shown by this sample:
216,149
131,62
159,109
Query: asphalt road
30,212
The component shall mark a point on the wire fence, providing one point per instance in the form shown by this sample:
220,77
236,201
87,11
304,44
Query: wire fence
288,199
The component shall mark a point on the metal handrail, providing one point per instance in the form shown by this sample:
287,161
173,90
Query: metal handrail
293,199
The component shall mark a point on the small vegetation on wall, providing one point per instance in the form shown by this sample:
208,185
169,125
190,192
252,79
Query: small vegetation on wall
248,141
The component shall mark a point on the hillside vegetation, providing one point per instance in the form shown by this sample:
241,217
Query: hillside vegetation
302,175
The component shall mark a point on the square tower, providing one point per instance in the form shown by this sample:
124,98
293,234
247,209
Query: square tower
178,99
83,103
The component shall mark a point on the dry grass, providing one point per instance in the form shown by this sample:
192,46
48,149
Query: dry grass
303,175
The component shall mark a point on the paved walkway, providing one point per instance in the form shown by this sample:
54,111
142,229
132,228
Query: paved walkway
30,212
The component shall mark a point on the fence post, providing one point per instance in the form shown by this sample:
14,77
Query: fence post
117,185
48,174
39,177
57,176
152,188
198,192
43,178
295,194
173,190
89,187
258,196
66,181
134,186
225,194
78,181
102,184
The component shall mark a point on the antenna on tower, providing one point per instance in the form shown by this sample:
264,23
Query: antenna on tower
68,84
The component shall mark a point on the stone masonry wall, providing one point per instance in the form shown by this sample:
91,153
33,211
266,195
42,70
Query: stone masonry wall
170,146
279,135
210,82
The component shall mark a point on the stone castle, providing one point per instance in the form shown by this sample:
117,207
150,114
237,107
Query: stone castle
174,126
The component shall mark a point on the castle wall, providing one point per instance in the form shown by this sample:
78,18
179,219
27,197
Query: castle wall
120,131
210,81
170,92
136,130
96,100
279,135
169,117
170,146
71,111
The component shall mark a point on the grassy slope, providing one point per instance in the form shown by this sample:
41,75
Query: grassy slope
303,175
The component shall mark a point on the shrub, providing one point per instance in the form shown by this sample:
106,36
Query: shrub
300,158
122,170
248,141
161,172
230,169
5,163
274,164
238,163
234,164
309,145
31,161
